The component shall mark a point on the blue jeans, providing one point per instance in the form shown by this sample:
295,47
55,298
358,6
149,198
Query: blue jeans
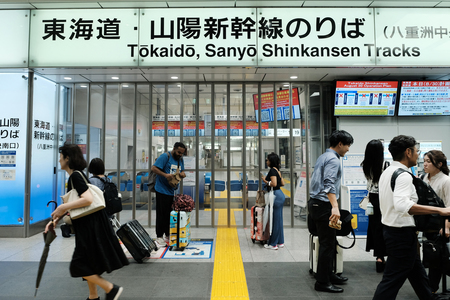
277,236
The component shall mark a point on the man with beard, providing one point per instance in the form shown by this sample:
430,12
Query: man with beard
168,166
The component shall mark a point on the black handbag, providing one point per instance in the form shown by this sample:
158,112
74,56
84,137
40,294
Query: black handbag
346,227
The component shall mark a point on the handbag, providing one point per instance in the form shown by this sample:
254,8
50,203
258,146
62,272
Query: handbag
98,202
260,199
364,202
346,227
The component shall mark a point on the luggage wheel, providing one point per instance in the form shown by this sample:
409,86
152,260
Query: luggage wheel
262,242
253,240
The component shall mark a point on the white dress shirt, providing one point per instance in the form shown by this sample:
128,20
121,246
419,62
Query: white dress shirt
440,183
394,205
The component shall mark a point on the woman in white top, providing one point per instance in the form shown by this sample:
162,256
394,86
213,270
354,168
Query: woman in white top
436,169
373,165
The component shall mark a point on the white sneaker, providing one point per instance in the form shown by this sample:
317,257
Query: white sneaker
267,246
166,239
160,243
280,245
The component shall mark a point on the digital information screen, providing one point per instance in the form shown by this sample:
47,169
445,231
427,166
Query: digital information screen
365,98
424,98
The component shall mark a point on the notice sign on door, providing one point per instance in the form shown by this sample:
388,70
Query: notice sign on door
8,159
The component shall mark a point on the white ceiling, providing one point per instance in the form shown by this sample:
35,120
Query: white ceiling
235,74
239,74
46,4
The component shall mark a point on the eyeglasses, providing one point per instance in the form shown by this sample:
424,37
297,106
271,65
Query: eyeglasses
417,150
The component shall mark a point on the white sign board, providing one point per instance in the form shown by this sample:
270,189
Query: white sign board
411,36
83,37
352,172
300,197
197,37
14,29
315,37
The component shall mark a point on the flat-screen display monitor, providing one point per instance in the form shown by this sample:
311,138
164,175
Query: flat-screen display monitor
267,107
365,98
424,98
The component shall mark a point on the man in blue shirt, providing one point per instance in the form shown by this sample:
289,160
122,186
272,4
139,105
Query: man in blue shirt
324,209
165,168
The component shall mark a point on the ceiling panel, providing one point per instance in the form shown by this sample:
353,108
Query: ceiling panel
247,3
134,4
400,3
122,77
100,71
174,4
167,77
16,6
337,3
444,4
235,76
60,78
66,5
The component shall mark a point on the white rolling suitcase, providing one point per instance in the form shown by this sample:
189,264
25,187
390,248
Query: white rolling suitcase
338,264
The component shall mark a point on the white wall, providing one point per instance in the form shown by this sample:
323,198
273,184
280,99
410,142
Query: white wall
364,129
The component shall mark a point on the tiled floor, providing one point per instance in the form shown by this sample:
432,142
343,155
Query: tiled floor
281,274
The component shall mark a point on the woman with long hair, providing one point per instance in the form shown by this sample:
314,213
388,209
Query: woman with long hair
436,175
373,165
275,181
97,249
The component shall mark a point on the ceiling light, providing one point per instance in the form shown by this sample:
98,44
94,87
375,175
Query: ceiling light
286,85
315,94
115,78
178,85
68,78
125,85
293,77
174,77
83,86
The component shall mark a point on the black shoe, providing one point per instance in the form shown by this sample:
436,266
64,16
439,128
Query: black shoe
114,293
329,288
336,279
93,299
380,266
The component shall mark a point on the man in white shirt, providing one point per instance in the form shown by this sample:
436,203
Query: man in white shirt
397,209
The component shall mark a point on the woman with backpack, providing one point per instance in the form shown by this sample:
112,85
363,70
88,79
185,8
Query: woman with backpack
436,175
373,165
112,199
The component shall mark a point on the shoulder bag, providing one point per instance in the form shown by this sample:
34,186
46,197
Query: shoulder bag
98,201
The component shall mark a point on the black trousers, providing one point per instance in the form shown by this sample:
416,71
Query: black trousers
163,209
403,263
320,213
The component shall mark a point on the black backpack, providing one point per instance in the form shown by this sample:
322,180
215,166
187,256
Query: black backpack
112,201
427,196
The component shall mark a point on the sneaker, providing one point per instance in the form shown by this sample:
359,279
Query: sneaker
160,242
267,246
114,294
166,239
280,245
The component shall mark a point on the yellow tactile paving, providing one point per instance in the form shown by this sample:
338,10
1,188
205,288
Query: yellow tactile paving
229,277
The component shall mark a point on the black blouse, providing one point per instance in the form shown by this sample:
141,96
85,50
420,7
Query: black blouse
273,172
76,179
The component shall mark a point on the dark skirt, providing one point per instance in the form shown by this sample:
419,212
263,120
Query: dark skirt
375,238
97,249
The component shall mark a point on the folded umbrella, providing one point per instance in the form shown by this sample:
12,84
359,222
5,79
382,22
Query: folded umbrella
49,236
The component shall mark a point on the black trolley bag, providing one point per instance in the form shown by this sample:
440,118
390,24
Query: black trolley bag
136,239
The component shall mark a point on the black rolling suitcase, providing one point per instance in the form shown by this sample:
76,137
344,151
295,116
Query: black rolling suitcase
136,240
